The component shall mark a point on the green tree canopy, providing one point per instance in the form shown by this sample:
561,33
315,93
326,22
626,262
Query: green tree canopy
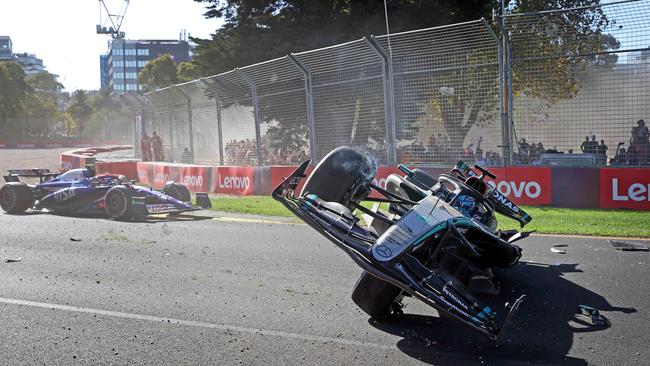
13,90
258,30
79,111
158,73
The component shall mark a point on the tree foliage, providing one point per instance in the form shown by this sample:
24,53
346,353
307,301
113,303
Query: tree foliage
78,112
258,30
13,90
462,98
158,73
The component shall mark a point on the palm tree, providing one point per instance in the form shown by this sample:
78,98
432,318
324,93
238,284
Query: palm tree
79,110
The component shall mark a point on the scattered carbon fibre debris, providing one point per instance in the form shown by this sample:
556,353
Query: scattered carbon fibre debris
593,313
629,246
555,249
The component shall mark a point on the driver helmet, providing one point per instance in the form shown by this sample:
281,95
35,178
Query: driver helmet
466,204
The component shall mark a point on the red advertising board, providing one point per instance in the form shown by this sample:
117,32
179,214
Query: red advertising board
278,173
26,144
197,178
625,188
524,185
235,180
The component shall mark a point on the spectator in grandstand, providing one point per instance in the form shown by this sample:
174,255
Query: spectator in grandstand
640,133
145,146
157,145
186,156
620,158
585,147
589,147
524,147
602,148
640,142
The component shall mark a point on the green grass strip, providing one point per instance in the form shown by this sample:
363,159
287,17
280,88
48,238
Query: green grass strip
546,220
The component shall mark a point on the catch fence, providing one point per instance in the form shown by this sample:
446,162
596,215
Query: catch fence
485,91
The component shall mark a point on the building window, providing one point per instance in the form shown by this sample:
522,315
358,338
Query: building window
118,63
118,87
129,52
131,75
117,51
131,87
143,52
130,63
118,75
142,64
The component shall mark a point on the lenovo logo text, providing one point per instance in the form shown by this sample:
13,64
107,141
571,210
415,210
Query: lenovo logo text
234,182
635,192
518,189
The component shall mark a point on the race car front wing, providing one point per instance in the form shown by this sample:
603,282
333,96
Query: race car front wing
404,271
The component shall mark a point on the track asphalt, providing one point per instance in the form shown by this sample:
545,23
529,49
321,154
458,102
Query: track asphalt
228,291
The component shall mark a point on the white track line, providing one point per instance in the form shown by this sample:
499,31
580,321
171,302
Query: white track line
192,323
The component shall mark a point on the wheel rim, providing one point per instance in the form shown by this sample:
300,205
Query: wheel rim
8,198
116,204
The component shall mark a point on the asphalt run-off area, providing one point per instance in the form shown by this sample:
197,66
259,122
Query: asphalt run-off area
207,290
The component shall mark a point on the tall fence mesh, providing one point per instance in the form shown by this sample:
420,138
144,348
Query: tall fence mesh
522,89
581,82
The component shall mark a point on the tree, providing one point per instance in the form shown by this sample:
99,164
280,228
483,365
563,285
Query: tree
258,30
187,71
79,112
158,73
13,90
44,82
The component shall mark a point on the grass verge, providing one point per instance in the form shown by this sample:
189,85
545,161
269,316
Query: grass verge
546,220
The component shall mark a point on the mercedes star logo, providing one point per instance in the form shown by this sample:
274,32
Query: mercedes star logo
383,251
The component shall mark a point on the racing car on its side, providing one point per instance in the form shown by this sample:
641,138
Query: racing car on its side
81,192
437,241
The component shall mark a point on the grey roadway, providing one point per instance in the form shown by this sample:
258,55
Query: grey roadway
257,293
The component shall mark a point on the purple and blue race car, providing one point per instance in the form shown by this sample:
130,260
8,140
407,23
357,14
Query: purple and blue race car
82,192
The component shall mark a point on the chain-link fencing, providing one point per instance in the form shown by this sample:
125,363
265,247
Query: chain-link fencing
510,91
581,82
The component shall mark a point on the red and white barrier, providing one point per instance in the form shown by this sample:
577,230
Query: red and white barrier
536,186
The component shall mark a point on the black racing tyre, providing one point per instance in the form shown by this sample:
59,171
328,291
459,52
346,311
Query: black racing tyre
117,203
374,296
178,191
341,176
16,197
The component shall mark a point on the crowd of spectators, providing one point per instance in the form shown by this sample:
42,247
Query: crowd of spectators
639,151
241,152
439,151
244,152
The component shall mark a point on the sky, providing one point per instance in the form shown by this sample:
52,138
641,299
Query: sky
62,32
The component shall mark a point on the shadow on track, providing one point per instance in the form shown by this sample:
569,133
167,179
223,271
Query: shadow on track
541,332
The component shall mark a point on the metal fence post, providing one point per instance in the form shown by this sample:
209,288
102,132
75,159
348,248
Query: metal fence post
504,106
510,123
219,126
310,106
189,121
389,114
503,110
258,137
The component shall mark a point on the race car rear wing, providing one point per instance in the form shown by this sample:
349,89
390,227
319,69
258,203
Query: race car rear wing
41,173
